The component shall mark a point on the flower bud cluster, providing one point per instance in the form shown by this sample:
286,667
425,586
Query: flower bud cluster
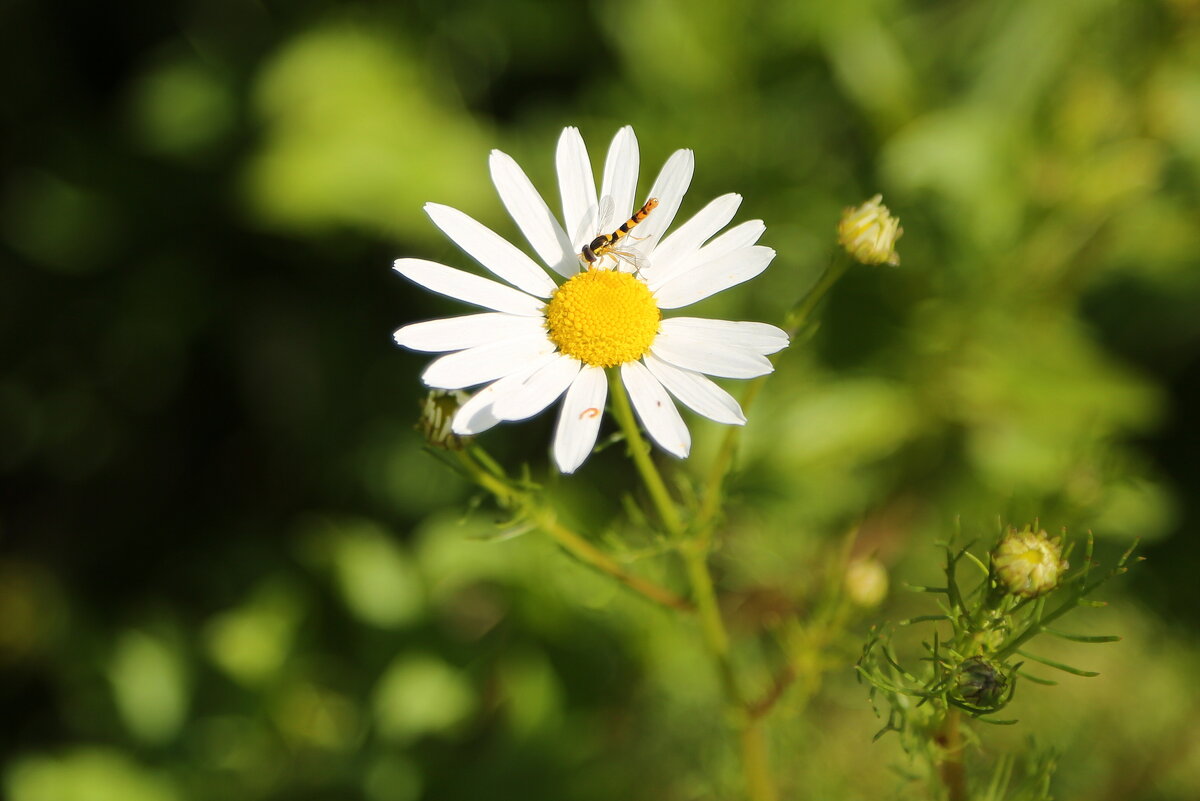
988,620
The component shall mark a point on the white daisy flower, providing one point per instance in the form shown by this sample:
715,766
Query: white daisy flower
546,337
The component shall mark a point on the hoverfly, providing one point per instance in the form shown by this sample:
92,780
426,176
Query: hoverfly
606,244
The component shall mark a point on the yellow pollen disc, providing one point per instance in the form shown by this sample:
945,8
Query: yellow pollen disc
603,318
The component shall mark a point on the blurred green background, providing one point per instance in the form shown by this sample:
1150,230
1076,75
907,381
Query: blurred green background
227,569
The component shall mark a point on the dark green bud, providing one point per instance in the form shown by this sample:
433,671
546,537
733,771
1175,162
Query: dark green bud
980,684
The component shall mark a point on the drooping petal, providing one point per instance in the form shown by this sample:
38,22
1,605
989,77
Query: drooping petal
491,250
683,243
478,365
475,416
670,186
656,410
761,338
538,390
576,184
710,357
708,279
579,419
621,172
468,288
532,215
696,392
459,333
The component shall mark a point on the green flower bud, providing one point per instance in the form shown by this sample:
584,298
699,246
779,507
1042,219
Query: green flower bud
437,412
869,233
866,582
1029,563
980,684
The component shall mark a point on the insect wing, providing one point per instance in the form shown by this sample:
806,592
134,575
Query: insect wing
595,222
632,257
605,215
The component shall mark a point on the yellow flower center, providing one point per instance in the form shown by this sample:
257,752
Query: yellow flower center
603,318
1034,557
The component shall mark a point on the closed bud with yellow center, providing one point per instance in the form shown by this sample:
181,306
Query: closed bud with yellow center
437,412
869,233
1028,563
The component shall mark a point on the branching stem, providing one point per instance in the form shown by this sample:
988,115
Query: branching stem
521,502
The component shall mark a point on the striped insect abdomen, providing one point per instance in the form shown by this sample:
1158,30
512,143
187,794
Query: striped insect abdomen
628,225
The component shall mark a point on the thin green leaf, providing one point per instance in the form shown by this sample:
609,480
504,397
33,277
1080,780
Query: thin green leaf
956,597
508,532
1037,679
1000,779
1074,671
975,560
1094,638
1088,551
1125,556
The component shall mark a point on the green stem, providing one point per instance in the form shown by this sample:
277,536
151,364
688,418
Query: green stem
799,315
571,542
752,746
716,639
589,554
754,762
952,770
795,320
639,450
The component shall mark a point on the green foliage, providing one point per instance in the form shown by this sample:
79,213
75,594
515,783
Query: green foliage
229,571
970,663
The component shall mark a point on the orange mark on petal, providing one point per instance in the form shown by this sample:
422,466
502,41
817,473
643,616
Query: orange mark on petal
589,413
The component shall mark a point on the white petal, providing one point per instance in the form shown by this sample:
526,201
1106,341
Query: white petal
621,171
710,358
538,390
758,337
685,240
491,250
579,418
696,392
457,333
474,366
739,236
576,184
532,215
669,188
697,283
468,288
656,410
475,416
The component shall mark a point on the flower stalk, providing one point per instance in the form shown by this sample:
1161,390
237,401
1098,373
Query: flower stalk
752,744
639,451
796,319
952,770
